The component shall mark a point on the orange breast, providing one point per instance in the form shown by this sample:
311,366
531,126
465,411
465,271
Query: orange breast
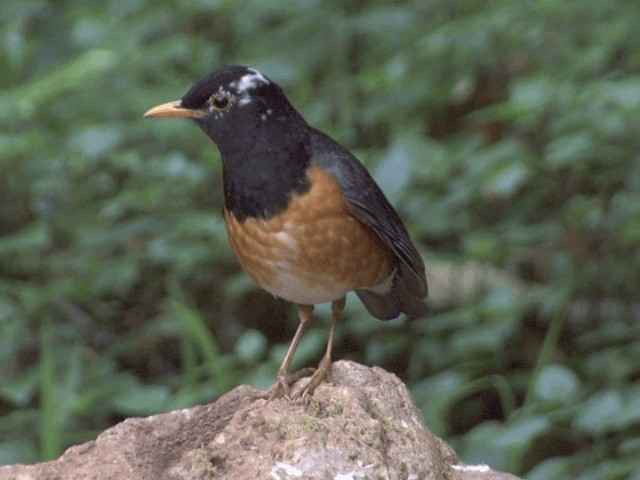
313,252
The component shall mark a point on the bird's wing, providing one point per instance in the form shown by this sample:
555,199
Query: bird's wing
371,207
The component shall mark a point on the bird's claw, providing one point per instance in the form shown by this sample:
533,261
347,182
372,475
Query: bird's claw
319,376
282,386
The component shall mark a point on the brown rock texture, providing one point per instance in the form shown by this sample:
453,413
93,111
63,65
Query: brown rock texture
361,425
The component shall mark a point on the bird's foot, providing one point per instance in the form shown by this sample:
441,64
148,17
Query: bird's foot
319,376
284,380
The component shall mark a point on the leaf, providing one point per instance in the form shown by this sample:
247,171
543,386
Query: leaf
250,347
625,93
556,467
557,383
76,71
531,95
568,150
394,172
21,390
140,399
520,433
599,413
435,396
481,245
33,237
508,179
96,140
18,451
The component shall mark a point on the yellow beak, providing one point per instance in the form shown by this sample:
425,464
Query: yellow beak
173,109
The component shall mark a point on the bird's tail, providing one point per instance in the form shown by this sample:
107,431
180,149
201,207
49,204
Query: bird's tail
399,299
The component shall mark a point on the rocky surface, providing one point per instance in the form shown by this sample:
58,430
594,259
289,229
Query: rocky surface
361,425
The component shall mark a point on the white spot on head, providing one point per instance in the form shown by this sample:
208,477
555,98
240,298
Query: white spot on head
250,81
247,82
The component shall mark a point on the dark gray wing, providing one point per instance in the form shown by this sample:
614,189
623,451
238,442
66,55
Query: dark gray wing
373,208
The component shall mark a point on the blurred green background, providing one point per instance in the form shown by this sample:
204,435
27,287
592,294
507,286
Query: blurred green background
505,132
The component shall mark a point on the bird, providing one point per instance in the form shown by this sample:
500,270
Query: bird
305,219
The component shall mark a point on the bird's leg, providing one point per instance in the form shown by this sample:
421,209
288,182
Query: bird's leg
284,379
325,364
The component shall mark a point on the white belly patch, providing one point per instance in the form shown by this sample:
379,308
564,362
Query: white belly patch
289,282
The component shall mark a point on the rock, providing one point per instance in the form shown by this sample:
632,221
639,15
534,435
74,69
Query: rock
362,425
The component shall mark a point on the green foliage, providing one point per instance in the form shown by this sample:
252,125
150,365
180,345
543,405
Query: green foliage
505,132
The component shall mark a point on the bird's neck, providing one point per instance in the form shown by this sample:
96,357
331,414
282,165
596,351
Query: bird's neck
261,176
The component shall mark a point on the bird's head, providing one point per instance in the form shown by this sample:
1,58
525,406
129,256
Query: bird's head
231,104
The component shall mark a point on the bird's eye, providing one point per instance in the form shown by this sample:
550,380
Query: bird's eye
220,101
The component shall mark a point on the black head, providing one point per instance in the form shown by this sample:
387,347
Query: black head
264,142
237,82
233,105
